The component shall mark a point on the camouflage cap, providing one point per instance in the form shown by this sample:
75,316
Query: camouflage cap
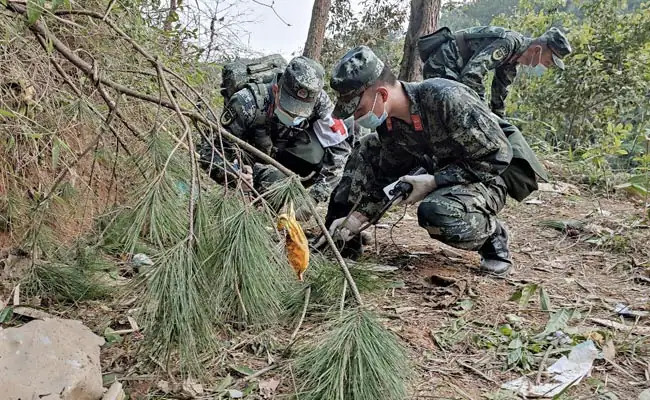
559,45
353,74
300,85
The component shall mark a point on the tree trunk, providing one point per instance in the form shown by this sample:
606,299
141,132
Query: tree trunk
423,20
319,16
171,15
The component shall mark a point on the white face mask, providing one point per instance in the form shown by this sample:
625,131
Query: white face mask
371,120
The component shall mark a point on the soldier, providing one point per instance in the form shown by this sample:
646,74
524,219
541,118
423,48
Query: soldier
468,55
440,125
289,119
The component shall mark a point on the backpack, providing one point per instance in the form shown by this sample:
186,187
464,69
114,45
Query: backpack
237,74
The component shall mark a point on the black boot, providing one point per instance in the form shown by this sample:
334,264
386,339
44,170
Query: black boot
495,255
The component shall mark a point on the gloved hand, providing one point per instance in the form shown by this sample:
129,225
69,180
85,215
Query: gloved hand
422,186
247,176
345,228
303,213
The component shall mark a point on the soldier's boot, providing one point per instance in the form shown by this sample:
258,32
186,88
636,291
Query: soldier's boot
495,255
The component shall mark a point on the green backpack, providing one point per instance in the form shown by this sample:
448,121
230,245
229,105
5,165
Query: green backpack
237,74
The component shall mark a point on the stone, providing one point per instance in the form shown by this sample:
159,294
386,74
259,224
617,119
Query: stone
52,359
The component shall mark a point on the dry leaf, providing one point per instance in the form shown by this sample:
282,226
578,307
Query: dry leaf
609,351
192,388
163,386
267,388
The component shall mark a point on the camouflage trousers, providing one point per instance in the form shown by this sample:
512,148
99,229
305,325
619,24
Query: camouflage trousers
462,216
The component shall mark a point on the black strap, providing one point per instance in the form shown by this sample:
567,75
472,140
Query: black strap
462,46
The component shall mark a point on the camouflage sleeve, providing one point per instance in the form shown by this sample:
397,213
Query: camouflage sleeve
491,57
503,77
331,171
383,162
323,107
238,116
483,151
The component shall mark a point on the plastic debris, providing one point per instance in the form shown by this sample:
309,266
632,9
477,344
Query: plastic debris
626,311
565,372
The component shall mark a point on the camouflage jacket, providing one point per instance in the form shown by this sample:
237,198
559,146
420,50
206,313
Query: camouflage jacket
452,134
249,116
492,48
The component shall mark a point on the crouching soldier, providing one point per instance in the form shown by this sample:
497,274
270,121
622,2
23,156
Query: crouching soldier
444,127
290,120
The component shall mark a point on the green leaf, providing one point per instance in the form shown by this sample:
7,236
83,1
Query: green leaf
243,370
34,10
558,321
523,295
6,113
112,337
6,314
3,2
544,300
506,330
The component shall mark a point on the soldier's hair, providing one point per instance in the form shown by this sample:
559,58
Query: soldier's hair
387,76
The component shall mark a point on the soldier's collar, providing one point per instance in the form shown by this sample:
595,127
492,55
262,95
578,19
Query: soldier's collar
411,89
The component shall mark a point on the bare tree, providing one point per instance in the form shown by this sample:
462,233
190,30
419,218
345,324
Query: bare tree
171,16
316,36
423,20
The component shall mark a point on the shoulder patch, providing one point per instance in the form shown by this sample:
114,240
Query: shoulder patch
499,53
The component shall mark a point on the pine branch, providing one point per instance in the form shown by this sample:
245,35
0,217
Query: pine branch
39,28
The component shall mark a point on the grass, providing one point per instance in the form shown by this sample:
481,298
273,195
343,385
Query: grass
79,275
355,358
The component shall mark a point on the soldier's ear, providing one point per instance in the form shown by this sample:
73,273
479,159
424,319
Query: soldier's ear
383,92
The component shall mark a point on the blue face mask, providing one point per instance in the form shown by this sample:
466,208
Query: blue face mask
539,69
286,119
371,120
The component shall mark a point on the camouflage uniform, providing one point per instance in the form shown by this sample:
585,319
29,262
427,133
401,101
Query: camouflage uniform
473,157
468,55
456,138
249,115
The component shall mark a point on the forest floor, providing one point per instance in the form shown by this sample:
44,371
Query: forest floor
465,335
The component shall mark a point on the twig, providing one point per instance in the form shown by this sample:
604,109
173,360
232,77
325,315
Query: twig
542,364
304,312
477,372
260,372
186,126
271,6
108,9
241,301
343,294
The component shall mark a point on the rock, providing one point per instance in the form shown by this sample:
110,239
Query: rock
54,359
645,395
115,392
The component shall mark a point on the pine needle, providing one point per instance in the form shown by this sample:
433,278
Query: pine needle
326,281
285,191
176,311
355,358
81,274
248,272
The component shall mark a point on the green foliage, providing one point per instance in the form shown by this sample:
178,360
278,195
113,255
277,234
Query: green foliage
176,313
326,281
248,271
380,25
605,82
354,358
